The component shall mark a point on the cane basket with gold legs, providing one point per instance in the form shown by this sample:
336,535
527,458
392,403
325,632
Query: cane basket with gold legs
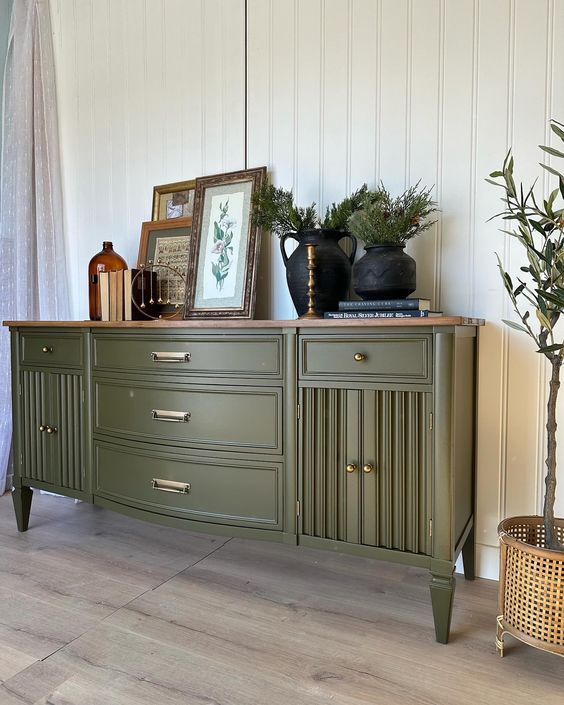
531,585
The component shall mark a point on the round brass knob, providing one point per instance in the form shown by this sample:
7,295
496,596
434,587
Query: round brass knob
351,467
49,429
46,349
368,468
359,357
42,428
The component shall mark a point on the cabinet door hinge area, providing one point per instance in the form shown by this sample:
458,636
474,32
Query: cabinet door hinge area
431,421
299,412
430,528
298,508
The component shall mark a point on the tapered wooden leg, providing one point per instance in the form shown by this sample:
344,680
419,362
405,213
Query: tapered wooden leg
21,497
469,556
442,593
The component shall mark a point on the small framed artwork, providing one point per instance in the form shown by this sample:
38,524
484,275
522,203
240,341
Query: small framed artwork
173,200
165,246
224,251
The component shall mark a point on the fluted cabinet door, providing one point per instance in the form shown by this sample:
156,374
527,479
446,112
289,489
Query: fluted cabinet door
66,399
396,477
366,458
36,452
51,428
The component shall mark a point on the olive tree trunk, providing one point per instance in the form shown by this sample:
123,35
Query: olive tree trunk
550,480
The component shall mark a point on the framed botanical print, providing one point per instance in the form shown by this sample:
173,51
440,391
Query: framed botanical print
224,251
165,248
173,200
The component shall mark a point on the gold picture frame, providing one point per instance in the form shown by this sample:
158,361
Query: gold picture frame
171,201
224,249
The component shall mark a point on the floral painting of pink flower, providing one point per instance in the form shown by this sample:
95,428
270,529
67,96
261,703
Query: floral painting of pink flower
222,247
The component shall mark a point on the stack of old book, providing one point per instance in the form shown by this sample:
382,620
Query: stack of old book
126,295
384,308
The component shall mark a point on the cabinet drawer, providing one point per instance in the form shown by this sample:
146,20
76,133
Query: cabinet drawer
47,349
235,418
198,488
390,358
212,356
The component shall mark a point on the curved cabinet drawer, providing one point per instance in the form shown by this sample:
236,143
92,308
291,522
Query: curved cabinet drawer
199,488
232,355
387,358
51,350
236,418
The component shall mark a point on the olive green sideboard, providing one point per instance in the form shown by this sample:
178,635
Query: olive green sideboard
354,437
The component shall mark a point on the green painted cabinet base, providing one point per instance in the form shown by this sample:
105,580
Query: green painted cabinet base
351,439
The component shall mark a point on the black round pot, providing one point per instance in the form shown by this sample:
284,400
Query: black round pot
332,268
384,272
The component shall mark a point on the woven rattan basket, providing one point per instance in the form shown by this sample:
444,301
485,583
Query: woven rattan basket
531,585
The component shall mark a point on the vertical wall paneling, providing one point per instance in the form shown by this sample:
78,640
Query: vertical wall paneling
363,117
456,154
223,34
149,92
557,91
135,66
65,43
422,135
493,115
310,91
334,164
530,118
272,115
394,71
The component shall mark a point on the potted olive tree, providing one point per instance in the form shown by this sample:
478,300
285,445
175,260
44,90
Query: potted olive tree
532,551
384,224
274,209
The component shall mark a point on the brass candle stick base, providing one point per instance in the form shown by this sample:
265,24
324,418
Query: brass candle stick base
311,267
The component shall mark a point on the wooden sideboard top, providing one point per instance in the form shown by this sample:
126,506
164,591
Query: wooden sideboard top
245,323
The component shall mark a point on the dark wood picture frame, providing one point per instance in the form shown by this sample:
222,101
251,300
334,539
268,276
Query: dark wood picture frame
151,232
223,238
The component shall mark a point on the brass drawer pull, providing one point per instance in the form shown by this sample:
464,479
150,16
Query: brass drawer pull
368,468
174,416
47,349
170,357
170,486
42,428
51,430
359,357
352,468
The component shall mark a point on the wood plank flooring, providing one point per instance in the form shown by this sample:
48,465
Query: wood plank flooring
100,609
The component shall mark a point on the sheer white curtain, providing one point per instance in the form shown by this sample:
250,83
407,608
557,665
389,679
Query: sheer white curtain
33,277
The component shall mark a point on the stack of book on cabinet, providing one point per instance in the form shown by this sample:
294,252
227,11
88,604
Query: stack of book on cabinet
120,291
384,308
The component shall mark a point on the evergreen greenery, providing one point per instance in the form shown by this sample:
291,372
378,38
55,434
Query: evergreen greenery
273,209
384,219
537,294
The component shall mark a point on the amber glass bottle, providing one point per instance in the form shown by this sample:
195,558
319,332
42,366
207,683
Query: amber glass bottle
105,261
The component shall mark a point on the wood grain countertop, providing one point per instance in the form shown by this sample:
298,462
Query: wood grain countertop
245,323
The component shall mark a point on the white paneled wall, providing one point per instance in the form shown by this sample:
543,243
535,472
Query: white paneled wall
337,92
150,92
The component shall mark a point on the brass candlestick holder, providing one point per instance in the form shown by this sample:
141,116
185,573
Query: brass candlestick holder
311,268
